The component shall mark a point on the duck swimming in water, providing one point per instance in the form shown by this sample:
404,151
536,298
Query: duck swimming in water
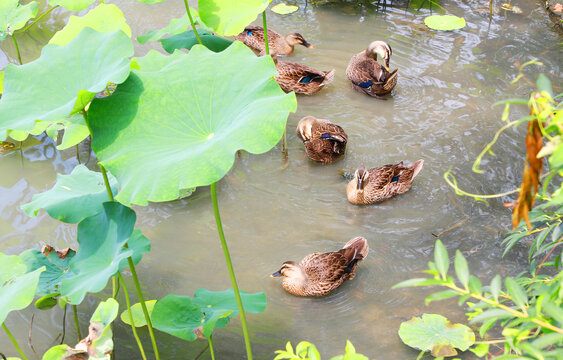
253,37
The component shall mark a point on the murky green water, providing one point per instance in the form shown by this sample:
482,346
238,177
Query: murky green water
441,111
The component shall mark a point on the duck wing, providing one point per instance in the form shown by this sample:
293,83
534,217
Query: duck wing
385,175
327,269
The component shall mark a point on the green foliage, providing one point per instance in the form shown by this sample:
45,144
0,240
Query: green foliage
56,269
435,333
74,197
65,79
104,18
444,22
284,9
72,5
137,312
187,317
185,116
17,286
307,351
187,40
227,17
14,16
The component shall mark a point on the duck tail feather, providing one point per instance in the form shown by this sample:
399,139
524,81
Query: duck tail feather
329,77
361,245
417,166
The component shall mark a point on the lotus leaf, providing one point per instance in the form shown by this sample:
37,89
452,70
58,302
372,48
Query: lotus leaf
181,119
72,5
102,345
187,40
1,81
62,77
75,130
228,17
435,333
175,26
14,16
17,286
444,22
57,269
137,312
284,9
101,239
139,244
151,1
74,197
104,18
185,317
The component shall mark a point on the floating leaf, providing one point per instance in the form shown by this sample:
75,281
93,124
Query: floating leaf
284,9
56,268
444,22
101,238
74,197
187,40
441,258
228,17
64,79
104,18
72,5
17,286
138,315
185,116
434,332
178,316
14,16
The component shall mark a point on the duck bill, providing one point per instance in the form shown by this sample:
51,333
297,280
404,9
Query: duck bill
360,184
277,274
308,45
386,66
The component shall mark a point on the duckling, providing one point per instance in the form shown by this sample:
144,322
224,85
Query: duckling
320,273
324,141
370,77
300,78
378,184
253,37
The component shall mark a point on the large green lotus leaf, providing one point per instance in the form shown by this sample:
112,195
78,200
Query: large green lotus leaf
138,315
56,269
74,197
228,17
75,130
220,306
101,238
17,287
72,5
175,26
435,333
105,18
444,22
14,16
187,40
179,120
62,77
178,316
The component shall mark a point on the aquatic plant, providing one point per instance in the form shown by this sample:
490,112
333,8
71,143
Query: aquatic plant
307,351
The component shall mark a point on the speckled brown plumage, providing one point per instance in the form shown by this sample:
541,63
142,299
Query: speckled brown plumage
369,76
300,78
324,141
378,184
320,273
253,37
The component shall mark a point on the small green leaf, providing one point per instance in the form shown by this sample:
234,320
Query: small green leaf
495,286
418,282
461,268
516,292
474,285
445,294
14,16
441,258
544,84
556,312
444,22
138,315
492,314
47,302
187,40
284,9
480,350
57,352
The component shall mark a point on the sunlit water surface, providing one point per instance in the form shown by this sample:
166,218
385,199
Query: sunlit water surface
441,111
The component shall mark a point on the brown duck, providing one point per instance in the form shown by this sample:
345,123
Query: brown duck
324,141
320,273
300,78
369,76
378,184
253,37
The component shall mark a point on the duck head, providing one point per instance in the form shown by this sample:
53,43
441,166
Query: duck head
289,269
382,49
297,39
305,126
361,176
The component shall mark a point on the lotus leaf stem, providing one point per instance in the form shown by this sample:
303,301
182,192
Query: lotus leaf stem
211,348
17,48
14,341
106,181
78,154
265,26
231,270
39,18
192,22
75,313
128,303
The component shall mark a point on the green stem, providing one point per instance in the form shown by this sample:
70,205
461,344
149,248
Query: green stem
14,341
17,48
75,312
39,18
192,22
139,343
211,348
231,270
265,26
114,286
78,154
106,181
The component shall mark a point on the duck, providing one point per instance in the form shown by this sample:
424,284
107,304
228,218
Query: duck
319,274
378,184
369,76
253,37
324,141
299,78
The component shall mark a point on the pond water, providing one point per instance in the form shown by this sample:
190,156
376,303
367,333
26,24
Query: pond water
441,111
